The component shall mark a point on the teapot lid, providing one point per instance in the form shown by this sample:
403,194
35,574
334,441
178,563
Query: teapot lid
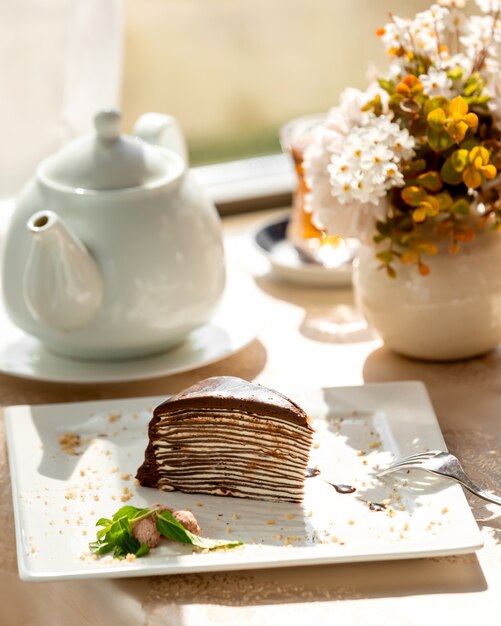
108,160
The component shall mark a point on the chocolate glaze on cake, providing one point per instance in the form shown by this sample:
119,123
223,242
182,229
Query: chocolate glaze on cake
225,436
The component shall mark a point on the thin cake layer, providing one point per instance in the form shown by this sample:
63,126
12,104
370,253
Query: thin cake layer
225,436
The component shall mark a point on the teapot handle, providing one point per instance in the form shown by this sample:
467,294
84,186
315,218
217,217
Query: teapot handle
162,130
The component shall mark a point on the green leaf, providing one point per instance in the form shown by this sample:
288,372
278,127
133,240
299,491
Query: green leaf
395,100
414,168
413,195
407,223
439,140
101,548
103,521
455,72
387,85
468,144
450,175
430,181
439,102
461,206
436,119
130,512
116,535
386,256
478,101
474,85
444,200
391,272
120,535
143,550
407,238
470,89
169,527
459,159
383,228
418,126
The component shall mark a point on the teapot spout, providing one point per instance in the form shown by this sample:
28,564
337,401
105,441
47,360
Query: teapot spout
62,283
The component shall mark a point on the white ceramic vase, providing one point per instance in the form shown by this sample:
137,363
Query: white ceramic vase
453,313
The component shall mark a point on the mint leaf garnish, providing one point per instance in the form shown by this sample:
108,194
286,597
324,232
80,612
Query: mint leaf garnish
115,534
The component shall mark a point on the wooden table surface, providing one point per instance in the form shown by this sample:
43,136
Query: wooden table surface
311,337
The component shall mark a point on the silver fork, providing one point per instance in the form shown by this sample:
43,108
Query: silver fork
442,464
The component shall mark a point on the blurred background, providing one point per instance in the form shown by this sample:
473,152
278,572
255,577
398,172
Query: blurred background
232,71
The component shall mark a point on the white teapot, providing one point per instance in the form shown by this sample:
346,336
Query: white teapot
113,251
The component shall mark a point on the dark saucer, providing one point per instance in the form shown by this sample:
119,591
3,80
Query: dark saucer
296,266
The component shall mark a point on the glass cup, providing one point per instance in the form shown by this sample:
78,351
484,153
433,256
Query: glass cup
313,243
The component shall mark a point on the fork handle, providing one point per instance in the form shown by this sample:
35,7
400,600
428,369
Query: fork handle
481,493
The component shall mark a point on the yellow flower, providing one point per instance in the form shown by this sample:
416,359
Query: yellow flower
478,169
474,166
454,118
428,207
410,86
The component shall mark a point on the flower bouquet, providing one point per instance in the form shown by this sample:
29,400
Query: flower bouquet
411,164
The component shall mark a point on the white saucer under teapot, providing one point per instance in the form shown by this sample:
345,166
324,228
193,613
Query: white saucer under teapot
113,251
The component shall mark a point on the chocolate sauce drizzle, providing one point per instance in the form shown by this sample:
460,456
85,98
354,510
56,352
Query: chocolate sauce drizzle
311,472
376,506
342,488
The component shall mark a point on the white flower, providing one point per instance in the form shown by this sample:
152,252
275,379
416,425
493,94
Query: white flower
422,35
356,219
376,158
316,160
351,102
489,6
431,19
492,67
479,34
481,40
459,60
396,72
354,171
342,187
495,102
436,83
336,125
428,29
394,176
403,145
454,25
366,191
396,33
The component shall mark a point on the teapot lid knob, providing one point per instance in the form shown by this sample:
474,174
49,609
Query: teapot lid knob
107,123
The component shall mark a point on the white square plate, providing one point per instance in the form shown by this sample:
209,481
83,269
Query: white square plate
58,497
